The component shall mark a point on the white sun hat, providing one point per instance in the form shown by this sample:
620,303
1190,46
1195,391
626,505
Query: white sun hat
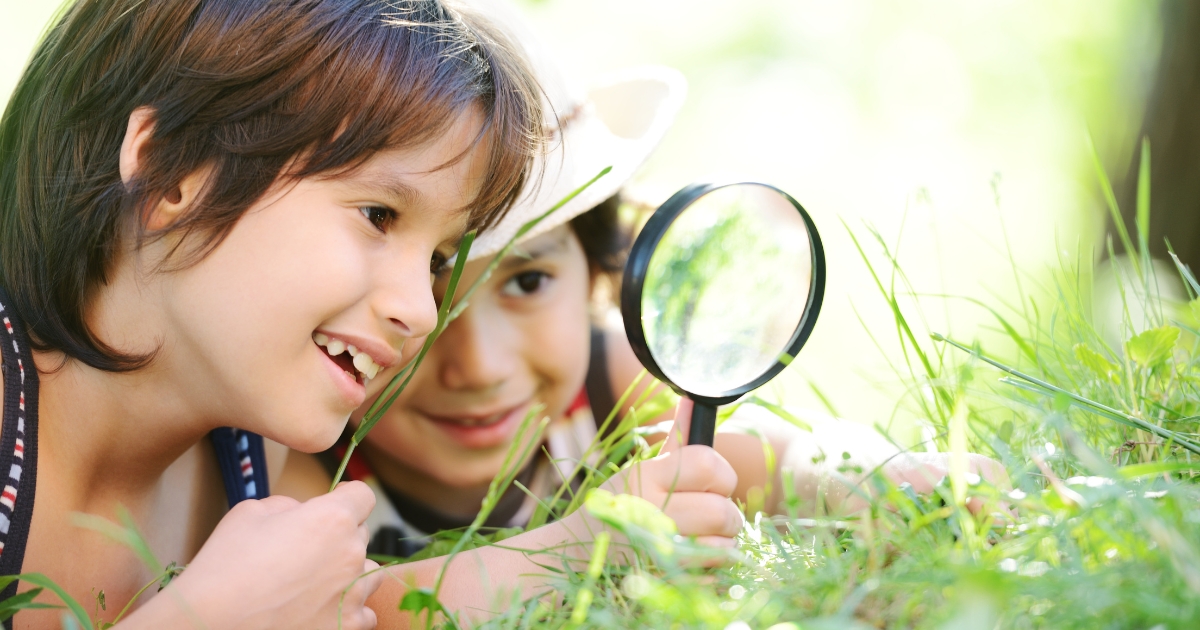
616,123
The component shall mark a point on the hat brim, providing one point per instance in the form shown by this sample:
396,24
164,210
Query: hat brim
626,116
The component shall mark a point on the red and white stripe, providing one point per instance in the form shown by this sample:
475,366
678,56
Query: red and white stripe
8,498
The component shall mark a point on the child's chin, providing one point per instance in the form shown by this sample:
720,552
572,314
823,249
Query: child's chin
313,437
468,473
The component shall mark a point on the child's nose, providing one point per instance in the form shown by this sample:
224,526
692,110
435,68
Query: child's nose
473,355
406,300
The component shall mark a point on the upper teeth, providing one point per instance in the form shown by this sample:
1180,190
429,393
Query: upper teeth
362,361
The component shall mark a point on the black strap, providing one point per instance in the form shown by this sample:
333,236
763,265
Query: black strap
20,390
239,486
598,383
390,542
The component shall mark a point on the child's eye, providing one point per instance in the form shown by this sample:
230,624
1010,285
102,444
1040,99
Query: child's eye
437,264
525,283
379,216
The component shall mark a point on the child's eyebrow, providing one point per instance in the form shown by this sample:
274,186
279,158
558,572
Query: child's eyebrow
521,255
394,189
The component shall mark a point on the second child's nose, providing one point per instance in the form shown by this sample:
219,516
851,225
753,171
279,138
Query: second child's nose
471,354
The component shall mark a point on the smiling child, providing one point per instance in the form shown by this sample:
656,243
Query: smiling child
191,193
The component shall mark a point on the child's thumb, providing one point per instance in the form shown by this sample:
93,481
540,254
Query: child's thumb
679,428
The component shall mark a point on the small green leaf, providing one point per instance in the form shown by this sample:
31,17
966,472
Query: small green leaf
421,599
22,601
76,617
629,509
172,571
634,516
1096,362
1005,432
1152,347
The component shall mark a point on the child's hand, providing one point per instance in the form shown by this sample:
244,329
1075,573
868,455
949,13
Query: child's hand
692,485
279,563
924,470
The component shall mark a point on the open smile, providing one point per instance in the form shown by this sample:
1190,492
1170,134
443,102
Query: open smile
352,361
358,364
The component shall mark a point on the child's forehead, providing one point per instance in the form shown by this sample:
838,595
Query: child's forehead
415,177
556,242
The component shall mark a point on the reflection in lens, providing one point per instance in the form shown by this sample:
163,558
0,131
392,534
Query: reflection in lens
726,288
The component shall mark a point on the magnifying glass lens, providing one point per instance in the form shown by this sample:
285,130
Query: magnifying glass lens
722,288
726,288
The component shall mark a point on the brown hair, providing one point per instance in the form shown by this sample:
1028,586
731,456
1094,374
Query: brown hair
244,88
605,238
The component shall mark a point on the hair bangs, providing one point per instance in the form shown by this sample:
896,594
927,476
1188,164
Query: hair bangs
408,79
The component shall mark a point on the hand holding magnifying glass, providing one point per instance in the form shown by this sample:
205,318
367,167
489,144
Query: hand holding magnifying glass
723,287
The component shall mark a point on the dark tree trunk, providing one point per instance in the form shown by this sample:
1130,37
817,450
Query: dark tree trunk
1172,122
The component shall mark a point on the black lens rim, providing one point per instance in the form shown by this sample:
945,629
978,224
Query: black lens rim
638,264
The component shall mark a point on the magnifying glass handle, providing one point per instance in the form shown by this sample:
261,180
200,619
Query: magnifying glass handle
704,424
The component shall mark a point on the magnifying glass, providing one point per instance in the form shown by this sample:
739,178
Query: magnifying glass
722,289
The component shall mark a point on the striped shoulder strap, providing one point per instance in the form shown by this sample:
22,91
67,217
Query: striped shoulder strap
18,442
243,463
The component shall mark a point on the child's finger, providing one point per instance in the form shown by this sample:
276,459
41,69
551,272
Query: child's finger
371,579
273,504
354,496
719,542
704,514
694,468
679,429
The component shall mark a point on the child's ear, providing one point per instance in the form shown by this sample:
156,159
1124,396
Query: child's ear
176,201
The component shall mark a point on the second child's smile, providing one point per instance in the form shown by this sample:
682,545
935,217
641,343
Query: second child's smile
482,431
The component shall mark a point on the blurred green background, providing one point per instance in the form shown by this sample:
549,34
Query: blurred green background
945,124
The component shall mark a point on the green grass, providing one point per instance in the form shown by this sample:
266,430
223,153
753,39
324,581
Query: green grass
1098,432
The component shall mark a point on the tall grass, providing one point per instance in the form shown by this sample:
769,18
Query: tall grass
1099,439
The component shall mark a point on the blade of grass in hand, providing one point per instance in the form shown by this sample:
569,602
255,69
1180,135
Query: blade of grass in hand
446,314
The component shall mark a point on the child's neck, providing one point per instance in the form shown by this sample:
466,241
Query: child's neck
110,436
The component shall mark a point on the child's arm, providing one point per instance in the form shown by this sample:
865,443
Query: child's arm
811,459
691,483
816,461
275,563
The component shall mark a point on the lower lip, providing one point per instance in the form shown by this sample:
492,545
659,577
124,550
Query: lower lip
351,391
499,433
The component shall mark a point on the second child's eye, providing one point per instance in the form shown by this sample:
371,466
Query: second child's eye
379,216
437,264
525,283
